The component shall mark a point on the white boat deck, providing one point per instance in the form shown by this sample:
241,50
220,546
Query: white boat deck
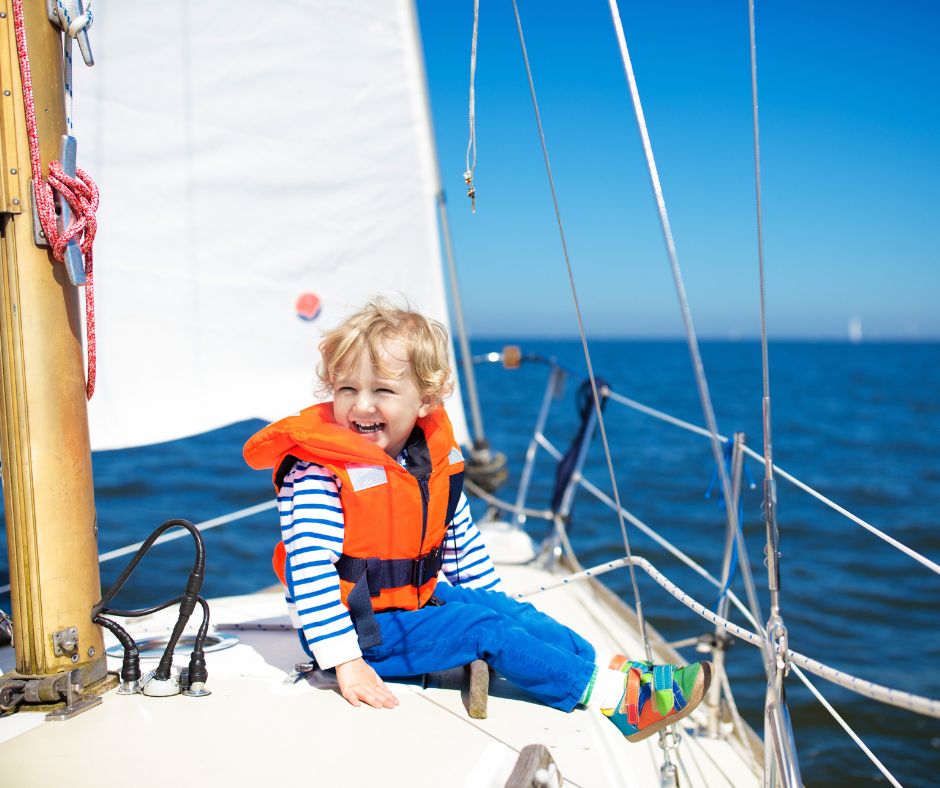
257,727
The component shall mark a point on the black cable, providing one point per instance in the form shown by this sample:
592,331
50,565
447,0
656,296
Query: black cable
197,660
187,603
113,611
198,566
130,670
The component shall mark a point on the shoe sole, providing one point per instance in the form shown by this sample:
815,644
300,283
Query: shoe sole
701,687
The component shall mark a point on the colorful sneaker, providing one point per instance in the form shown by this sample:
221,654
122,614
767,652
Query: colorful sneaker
655,696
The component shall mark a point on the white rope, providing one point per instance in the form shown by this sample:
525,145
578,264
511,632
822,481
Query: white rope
892,697
74,18
733,598
472,142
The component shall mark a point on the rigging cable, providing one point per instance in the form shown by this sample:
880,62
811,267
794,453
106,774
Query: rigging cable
665,417
776,640
584,345
697,366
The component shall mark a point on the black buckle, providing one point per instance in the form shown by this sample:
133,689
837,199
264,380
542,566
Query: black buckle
419,569
417,572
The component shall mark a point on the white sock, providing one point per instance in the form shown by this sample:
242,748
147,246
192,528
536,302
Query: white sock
607,690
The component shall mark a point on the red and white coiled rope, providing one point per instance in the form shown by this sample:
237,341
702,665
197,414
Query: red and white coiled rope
79,192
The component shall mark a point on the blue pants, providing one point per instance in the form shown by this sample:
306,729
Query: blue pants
531,649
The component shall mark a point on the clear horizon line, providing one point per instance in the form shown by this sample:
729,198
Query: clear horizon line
837,338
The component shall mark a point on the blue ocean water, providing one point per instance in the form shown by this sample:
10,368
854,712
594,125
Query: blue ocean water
860,423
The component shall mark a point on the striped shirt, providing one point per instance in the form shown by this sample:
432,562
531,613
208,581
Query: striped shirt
312,528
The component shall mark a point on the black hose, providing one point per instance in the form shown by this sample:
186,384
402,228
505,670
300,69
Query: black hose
199,565
130,670
197,660
113,611
187,602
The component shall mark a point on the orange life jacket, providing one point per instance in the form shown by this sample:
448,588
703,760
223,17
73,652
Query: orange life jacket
395,518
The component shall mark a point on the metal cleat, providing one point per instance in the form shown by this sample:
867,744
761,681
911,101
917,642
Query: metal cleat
82,36
76,27
74,263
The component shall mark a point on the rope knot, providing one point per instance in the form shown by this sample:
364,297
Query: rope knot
81,194
71,16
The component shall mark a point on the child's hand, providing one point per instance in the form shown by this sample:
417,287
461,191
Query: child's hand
359,682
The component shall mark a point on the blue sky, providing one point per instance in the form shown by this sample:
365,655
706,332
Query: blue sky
850,118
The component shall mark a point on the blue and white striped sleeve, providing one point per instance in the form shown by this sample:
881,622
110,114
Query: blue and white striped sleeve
312,531
466,560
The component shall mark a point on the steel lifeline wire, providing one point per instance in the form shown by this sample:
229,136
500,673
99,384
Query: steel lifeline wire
79,192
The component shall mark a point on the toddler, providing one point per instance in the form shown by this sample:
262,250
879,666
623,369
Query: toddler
372,509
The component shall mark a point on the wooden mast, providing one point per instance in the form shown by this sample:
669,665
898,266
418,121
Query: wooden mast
48,493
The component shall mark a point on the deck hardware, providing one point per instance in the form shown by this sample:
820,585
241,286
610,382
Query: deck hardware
6,628
161,688
74,263
82,35
75,701
192,689
669,743
300,672
535,767
670,739
130,687
65,643
668,776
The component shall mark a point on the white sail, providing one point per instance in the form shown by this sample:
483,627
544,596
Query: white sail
246,158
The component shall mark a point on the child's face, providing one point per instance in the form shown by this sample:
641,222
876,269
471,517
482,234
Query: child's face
381,409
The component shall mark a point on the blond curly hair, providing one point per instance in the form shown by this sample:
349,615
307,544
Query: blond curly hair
371,328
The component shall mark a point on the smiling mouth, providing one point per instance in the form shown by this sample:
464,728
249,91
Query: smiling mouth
367,429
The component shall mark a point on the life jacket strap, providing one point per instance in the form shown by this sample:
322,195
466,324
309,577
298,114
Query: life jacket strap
370,576
390,573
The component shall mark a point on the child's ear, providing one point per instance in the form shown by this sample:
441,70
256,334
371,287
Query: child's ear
427,405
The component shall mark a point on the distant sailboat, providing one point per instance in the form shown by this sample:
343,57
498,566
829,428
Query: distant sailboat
855,330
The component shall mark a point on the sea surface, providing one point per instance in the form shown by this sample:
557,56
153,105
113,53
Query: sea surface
860,423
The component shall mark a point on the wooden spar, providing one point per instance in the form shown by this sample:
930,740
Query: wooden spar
48,493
